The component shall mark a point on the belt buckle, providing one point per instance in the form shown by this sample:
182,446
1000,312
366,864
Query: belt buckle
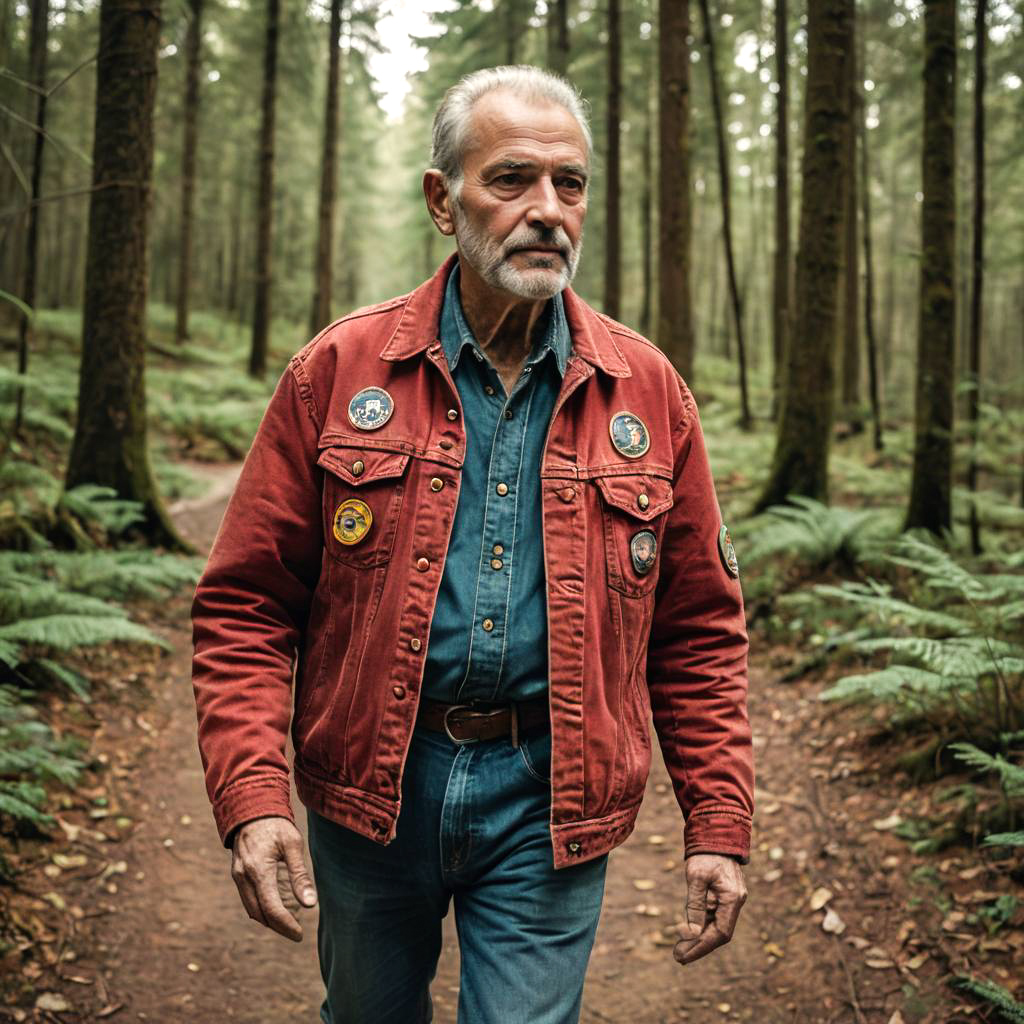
469,707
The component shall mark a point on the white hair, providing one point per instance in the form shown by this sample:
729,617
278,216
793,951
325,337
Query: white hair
451,122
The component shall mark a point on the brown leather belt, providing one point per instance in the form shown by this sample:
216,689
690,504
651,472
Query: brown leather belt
465,723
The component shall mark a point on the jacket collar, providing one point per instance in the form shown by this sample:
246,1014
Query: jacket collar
418,326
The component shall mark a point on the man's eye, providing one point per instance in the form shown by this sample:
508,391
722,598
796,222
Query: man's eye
573,184
508,179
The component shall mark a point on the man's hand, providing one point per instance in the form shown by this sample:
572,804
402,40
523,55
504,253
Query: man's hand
715,892
260,846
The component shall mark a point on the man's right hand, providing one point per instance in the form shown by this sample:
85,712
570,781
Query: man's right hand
259,846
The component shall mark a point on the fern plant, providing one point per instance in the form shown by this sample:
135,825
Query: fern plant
993,995
1011,782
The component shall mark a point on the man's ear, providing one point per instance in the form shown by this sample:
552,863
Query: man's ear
438,201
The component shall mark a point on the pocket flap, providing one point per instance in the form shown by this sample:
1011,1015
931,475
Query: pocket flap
361,465
625,491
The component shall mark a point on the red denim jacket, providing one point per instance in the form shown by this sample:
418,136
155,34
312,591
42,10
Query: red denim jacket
283,601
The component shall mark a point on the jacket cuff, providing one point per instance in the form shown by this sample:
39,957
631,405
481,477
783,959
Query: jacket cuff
724,832
268,795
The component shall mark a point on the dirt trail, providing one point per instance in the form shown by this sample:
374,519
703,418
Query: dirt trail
780,967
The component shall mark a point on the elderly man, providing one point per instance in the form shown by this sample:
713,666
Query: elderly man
481,517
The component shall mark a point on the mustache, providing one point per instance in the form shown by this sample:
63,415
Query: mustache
556,239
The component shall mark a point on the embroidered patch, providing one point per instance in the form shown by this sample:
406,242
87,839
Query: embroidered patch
352,521
643,547
629,434
370,408
728,552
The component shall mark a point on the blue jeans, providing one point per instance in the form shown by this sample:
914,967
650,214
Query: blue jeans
473,825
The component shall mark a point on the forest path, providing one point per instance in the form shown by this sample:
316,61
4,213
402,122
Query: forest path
780,968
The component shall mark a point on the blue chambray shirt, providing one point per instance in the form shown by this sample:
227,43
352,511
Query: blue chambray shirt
494,571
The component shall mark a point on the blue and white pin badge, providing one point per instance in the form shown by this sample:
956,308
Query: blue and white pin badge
643,547
370,408
629,434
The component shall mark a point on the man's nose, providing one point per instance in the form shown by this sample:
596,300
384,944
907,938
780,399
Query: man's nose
545,207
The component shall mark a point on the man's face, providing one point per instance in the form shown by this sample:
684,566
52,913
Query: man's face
519,218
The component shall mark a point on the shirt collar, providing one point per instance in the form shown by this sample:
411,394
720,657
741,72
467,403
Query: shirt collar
456,333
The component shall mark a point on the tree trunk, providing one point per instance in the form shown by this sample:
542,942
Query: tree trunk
869,270
193,58
725,188
675,317
37,76
850,380
558,36
930,503
513,28
781,266
109,446
265,211
800,462
612,223
646,219
323,271
978,261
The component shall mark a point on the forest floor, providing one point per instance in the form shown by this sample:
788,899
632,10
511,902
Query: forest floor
130,913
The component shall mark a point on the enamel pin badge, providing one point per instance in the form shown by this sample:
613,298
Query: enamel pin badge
728,552
352,521
370,408
629,434
643,546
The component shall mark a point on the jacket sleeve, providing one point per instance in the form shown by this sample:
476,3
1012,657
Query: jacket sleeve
697,662
250,608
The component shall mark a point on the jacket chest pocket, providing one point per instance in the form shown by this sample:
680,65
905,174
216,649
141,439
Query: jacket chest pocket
362,501
633,508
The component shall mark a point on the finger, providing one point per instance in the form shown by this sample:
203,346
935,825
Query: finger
697,901
275,913
711,938
302,884
728,912
248,897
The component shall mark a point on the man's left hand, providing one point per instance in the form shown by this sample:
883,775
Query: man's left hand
715,892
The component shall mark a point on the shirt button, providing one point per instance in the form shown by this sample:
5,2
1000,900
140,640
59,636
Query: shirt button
488,389
502,488
422,564
496,563
643,501
574,847
436,483
488,625
445,443
498,549
357,467
415,643
398,691
453,414
508,414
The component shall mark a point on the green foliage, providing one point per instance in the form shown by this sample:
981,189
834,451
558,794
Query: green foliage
101,506
1011,781
993,995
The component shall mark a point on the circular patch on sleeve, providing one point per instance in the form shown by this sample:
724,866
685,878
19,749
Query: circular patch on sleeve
370,408
728,552
643,547
352,521
629,434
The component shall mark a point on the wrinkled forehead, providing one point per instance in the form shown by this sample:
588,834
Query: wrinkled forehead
503,125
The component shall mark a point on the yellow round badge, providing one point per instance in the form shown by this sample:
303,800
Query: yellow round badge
352,521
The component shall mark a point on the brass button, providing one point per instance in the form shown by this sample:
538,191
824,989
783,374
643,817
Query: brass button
496,563
357,467
574,847
453,414
566,493
502,488
498,549
422,564
445,443
643,501
489,389
436,483
488,625
398,691
415,643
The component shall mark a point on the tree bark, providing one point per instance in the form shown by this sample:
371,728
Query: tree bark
977,261
323,268
193,58
675,316
558,36
930,503
646,218
800,462
725,183
38,32
613,225
109,446
850,379
781,282
265,210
